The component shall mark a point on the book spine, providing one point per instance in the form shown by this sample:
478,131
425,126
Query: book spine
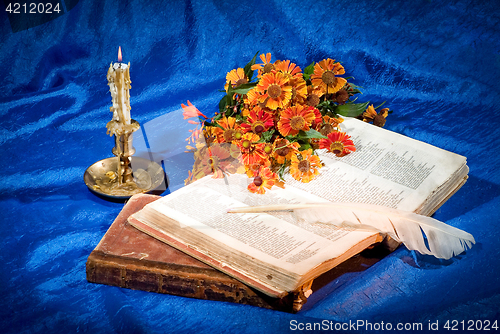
150,276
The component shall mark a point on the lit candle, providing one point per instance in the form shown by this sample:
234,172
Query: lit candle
119,86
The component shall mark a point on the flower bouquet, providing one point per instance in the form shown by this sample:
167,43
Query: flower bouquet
272,124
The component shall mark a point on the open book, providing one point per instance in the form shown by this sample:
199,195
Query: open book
277,253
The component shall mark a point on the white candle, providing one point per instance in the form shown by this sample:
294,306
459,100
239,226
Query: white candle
119,86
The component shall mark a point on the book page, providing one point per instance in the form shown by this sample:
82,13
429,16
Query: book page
273,239
277,248
386,169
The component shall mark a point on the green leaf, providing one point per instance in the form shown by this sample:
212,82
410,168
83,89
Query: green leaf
239,118
351,109
281,172
355,91
214,124
310,134
223,104
248,67
355,86
305,146
326,107
230,95
243,88
313,134
266,136
308,71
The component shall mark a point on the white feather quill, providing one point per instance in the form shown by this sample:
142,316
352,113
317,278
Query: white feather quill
444,241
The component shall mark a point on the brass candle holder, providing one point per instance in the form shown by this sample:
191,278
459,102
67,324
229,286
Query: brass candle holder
123,176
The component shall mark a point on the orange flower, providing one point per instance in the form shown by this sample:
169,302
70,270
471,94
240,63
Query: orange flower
299,90
253,169
266,66
191,111
306,167
228,131
378,119
258,122
195,135
236,77
325,78
189,179
284,150
295,119
251,151
251,98
264,180
289,69
339,143
313,96
329,125
275,90
215,159
341,97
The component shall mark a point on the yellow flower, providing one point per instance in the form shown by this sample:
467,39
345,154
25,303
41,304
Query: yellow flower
325,76
305,166
299,90
275,90
251,101
236,77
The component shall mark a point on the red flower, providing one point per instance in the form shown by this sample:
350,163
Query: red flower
339,143
258,122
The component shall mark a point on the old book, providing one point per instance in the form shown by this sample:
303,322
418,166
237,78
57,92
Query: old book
128,258
274,252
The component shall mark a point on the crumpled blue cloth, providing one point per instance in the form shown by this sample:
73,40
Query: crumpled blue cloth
436,63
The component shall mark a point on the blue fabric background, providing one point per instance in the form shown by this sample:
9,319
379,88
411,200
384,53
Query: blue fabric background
437,63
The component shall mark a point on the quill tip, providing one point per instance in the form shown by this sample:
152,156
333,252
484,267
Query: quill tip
242,209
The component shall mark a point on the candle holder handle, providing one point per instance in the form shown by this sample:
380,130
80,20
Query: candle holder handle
124,150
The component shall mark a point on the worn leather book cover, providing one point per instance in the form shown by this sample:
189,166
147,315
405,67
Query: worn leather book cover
128,258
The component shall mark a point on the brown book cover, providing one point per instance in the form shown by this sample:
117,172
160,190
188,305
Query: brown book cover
129,258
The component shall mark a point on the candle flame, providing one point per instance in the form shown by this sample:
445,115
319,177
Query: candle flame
119,54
